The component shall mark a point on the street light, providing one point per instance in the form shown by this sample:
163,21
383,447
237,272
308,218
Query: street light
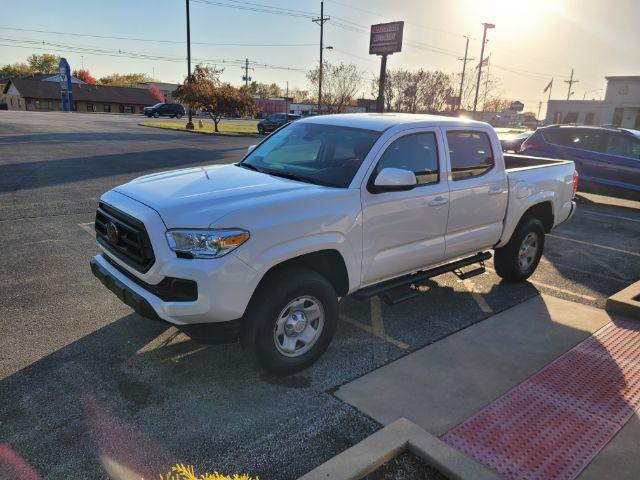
189,125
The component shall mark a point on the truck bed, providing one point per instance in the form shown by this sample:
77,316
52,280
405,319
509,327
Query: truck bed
513,162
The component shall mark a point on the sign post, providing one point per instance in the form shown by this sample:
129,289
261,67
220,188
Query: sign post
386,39
66,87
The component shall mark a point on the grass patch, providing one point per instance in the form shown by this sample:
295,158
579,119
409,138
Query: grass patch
231,128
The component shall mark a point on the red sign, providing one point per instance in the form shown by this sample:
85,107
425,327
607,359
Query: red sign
386,38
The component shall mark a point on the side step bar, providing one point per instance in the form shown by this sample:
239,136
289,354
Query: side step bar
383,288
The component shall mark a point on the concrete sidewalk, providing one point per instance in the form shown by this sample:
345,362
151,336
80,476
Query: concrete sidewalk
442,385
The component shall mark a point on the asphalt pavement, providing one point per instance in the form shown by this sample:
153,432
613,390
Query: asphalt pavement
87,386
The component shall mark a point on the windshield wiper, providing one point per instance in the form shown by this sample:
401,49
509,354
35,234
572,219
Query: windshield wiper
248,166
292,176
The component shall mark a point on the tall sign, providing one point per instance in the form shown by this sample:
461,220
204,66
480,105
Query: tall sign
386,39
66,87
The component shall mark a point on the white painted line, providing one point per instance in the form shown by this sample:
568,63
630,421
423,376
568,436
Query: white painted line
88,227
626,252
557,289
617,217
479,299
371,330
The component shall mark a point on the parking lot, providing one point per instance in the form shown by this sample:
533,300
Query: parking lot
85,384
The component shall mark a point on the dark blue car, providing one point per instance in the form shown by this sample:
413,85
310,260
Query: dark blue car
604,155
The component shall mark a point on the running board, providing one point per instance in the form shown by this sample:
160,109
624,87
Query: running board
383,288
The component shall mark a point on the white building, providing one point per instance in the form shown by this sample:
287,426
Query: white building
620,107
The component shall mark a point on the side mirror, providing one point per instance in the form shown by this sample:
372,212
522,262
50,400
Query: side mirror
394,180
250,149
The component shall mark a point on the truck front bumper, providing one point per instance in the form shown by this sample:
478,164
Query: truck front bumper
213,332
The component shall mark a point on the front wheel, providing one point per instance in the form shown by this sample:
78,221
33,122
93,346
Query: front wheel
179,116
291,321
156,115
518,259
261,129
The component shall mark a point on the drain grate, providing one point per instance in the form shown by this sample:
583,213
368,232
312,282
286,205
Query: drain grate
552,425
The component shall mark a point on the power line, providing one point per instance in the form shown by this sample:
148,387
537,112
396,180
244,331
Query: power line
157,40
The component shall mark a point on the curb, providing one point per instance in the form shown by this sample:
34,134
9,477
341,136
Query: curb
626,302
215,134
389,442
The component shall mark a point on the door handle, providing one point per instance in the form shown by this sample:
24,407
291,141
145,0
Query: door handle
496,190
438,201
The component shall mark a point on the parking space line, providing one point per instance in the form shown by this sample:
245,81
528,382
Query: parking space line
371,330
557,289
479,299
88,227
617,217
619,250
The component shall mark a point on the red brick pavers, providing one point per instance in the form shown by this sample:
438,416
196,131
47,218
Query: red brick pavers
554,423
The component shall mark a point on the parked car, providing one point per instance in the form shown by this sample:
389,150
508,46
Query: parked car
512,139
173,110
603,155
275,121
329,206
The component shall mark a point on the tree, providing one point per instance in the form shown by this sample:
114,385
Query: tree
419,91
300,96
156,93
204,90
45,63
124,80
85,76
264,90
15,70
340,84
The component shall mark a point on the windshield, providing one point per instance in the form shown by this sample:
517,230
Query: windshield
323,154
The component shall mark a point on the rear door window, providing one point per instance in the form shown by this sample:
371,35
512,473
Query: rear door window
623,145
470,152
583,139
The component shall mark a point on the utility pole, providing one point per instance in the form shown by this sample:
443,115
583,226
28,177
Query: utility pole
320,21
571,81
246,73
464,67
484,40
189,125
286,101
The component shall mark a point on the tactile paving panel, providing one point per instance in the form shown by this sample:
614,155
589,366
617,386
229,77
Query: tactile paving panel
552,425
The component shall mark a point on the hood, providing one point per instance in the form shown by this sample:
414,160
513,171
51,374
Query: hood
197,197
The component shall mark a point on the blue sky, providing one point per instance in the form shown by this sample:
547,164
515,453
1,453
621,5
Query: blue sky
533,40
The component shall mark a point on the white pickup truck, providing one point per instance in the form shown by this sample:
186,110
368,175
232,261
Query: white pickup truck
364,204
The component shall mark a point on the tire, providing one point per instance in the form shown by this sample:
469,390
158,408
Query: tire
282,317
261,130
156,115
518,259
179,116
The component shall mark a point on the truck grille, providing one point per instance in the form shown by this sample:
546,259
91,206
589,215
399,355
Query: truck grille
124,236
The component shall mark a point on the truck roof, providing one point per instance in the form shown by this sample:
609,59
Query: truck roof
383,121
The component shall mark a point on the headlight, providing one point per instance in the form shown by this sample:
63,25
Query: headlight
206,243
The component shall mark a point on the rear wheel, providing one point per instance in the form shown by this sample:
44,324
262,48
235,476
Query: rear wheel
261,130
519,258
156,115
291,320
179,116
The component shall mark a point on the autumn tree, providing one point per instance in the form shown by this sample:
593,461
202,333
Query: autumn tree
85,76
205,90
45,63
124,80
155,91
340,85
300,96
264,90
